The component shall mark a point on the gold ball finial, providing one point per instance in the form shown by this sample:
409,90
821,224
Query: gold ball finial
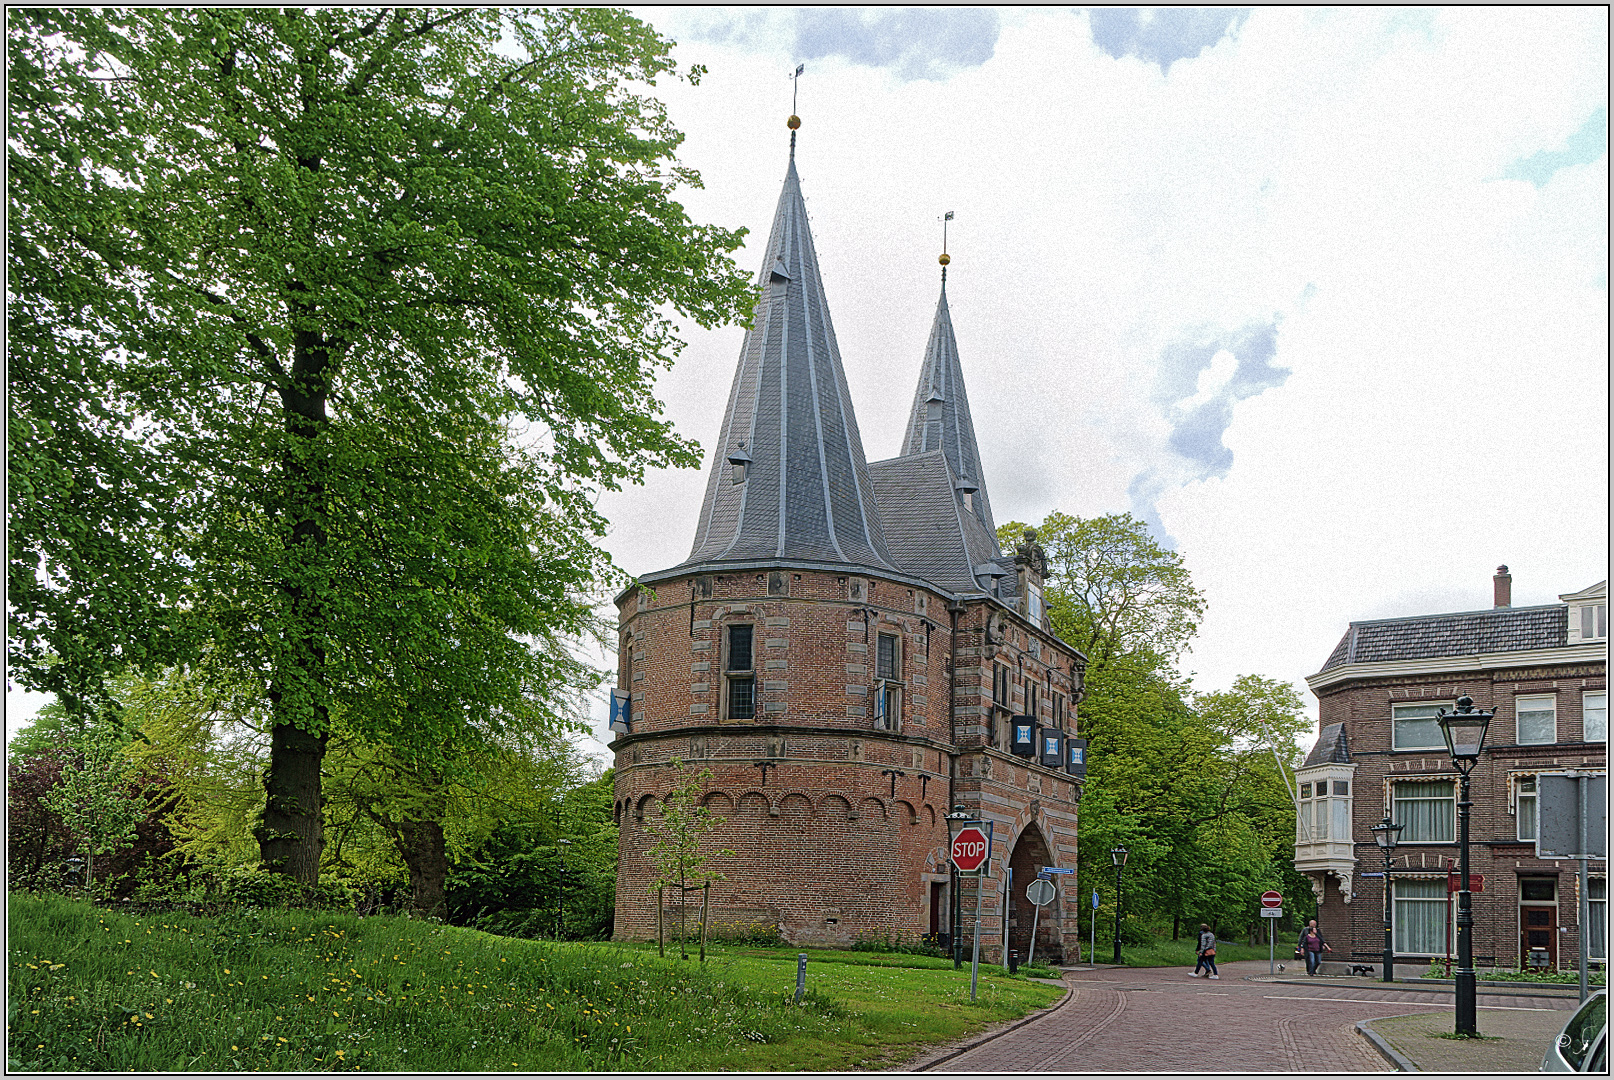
793,123
945,259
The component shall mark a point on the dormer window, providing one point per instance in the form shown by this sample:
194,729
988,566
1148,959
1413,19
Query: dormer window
1594,621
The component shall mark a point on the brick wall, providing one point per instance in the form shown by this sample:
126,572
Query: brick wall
838,827
1364,706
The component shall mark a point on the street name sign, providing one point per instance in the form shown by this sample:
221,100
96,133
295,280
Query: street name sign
1056,870
1272,913
1271,899
970,849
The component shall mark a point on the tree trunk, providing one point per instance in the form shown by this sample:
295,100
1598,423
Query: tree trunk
706,898
290,837
661,939
424,852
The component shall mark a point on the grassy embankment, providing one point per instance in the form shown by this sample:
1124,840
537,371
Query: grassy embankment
92,990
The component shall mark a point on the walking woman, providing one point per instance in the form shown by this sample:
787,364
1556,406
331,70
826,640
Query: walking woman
1207,953
1313,945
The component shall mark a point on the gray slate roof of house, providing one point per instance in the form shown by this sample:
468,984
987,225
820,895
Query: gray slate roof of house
807,493
1331,748
930,534
1464,633
940,417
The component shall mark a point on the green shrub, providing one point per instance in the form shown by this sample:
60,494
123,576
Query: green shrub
880,941
757,932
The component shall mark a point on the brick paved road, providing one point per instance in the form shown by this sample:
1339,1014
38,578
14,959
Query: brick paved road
1160,1020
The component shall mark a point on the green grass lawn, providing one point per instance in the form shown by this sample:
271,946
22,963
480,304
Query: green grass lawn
92,990
1168,953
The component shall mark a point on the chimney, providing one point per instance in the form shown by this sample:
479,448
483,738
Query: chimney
1503,582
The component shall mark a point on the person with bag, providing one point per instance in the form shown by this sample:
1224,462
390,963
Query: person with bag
1207,953
1313,945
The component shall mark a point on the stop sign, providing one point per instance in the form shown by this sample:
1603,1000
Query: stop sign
1271,898
970,848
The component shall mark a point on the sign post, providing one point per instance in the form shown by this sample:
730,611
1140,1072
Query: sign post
1573,816
1272,908
971,850
1092,935
1040,893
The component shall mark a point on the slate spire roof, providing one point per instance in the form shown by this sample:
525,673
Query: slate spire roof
940,418
789,479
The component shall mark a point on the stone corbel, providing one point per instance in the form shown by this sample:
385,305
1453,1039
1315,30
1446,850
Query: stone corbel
1319,886
1344,884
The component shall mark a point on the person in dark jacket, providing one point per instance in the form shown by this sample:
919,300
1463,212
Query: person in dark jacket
1313,946
1207,953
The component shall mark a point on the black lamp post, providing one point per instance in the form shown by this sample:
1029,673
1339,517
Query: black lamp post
956,818
1118,857
1464,730
1386,834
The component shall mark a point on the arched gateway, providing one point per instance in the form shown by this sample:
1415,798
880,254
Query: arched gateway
849,651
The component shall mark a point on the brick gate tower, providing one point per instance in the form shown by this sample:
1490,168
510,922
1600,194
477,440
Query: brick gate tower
851,653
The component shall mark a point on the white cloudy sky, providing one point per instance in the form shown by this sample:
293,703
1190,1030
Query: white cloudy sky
1321,294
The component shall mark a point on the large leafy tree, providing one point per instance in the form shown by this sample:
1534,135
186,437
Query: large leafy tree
290,279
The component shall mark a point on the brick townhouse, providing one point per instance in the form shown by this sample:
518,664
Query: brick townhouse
851,653
1543,670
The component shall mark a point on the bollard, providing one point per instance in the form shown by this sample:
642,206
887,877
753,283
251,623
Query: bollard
801,976
1014,961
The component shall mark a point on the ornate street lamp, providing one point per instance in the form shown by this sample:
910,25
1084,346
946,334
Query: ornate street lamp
954,820
1386,834
1118,857
1464,731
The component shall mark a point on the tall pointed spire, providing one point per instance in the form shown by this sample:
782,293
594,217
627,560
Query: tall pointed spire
789,480
940,418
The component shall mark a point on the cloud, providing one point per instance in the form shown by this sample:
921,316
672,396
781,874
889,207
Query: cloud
1582,148
1200,380
1162,35
912,43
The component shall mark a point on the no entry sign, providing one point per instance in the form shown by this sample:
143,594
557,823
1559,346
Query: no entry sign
1271,898
970,848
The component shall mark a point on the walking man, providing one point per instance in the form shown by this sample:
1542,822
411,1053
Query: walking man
1313,945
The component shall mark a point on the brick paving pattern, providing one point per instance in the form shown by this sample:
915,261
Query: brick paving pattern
1160,1020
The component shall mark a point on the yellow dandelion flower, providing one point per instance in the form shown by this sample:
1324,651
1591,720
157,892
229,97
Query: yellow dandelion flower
226,971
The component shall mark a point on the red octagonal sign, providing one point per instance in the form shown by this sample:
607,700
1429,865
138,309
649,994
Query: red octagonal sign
970,848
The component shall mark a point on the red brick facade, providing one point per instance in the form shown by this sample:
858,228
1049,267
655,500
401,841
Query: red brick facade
838,826
1521,892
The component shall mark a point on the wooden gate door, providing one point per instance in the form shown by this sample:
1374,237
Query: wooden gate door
1538,930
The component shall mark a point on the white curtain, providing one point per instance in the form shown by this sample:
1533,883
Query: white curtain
1597,913
1420,917
1426,809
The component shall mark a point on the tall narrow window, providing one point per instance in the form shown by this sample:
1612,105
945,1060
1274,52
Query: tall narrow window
885,664
1000,685
1538,718
1031,699
742,683
1597,913
1594,716
1525,807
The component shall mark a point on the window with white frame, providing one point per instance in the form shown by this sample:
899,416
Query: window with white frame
1414,727
1594,715
1597,914
1594,621
1420,917
1525,807
1341,809
1426,809
1537,718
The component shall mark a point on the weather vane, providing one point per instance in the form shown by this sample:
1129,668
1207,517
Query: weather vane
944,260
795,121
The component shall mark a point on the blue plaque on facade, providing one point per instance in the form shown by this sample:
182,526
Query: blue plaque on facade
1024,737
1076,757
1051,747
620,702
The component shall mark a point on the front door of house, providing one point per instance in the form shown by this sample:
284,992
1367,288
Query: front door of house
938,914
1538,935
1538,922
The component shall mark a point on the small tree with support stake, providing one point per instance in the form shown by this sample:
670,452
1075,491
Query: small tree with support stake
677,854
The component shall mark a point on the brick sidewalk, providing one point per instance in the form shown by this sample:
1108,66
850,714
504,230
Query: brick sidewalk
1519,1039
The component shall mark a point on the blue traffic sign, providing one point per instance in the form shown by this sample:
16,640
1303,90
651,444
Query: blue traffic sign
1095,899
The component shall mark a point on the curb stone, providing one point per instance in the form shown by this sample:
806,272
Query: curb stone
1389,1052
951,1052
